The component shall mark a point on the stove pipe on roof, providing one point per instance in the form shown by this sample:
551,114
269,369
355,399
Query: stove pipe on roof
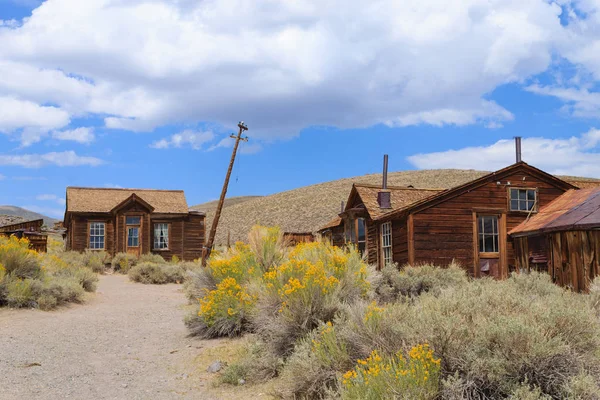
384,197
518,148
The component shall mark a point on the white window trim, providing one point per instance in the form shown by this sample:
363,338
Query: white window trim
387,253
103,236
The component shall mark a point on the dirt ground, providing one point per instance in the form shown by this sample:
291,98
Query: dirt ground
127,341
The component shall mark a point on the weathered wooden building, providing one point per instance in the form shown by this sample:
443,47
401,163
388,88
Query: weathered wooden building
135,221
31,230
563,239
356,224
468,223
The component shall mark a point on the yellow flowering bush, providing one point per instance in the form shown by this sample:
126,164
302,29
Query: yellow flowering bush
377,377
268,246
2,272
238,263
225,310
18,260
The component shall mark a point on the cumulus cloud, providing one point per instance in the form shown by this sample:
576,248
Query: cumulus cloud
284,66
32,120
80,135
51,197
59,159
577,155
190,138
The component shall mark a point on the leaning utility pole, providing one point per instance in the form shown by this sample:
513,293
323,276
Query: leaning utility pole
213,229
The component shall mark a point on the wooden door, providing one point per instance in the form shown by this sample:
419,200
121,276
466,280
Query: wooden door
489,232
134,234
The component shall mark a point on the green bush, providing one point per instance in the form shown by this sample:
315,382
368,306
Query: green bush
491,336
65,289
18,260
122,262
87,279
47,302
174,273
151,258
412,281
148,273
19,293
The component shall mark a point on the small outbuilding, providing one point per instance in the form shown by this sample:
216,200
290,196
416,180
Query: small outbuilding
563,238
31,230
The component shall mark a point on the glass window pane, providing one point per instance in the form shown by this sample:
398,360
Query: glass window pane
361,229
531,195
133,220
522,194
514,204
522,205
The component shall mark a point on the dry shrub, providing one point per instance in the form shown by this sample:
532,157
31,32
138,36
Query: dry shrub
46,302
492,336
87,279
198,282
96,260
268,245
152,258
122,262
148,273
256,364
18,260
64,289
19,293
306,291
412,281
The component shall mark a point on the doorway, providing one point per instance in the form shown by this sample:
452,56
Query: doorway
489,232
133,232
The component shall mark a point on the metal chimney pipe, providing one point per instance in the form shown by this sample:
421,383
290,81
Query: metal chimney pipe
342,208
385,171
518,148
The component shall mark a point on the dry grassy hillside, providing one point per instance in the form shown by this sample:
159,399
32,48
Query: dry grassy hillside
308,208
211,206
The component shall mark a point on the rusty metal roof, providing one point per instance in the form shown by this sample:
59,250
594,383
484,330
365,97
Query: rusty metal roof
574,210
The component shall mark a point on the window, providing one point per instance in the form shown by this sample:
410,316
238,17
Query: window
161,236
132,220
522,199
361,235
97,235
488,234
133,237
386,243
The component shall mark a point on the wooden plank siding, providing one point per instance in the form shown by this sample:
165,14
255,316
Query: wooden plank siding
445,232
186,233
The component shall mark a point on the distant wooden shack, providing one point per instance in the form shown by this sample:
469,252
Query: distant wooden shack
32,230
293,238
563,239
136,221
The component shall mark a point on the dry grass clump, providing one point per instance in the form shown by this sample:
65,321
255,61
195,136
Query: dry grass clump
412,281
158,274
42,280
122,262
152,258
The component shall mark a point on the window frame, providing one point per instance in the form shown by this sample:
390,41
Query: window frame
387,253
89,235
482,235
358,241
154,248
128,227
526,189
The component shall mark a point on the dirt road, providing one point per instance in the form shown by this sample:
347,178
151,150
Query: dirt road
126,342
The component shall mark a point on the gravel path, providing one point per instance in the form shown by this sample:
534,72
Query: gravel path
126,342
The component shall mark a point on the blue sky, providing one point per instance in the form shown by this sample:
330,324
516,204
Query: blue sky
145,93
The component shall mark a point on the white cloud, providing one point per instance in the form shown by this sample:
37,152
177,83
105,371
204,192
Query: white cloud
80,135
33,120
578,155
190,138
112,186
59,159
51,197
2,177
283,67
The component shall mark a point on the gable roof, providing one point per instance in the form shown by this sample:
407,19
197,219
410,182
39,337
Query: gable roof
331,224
103,200
455,191
575,209
400,197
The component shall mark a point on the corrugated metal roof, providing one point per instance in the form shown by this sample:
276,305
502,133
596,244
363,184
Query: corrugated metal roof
575,209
